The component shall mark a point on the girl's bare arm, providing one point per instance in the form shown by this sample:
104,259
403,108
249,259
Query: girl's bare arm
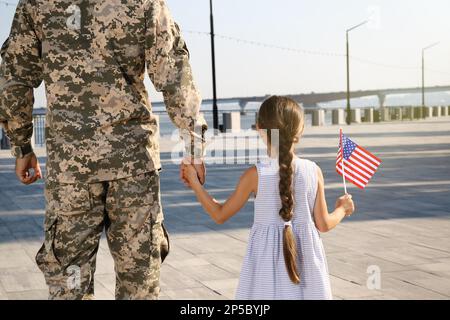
220,213
325,221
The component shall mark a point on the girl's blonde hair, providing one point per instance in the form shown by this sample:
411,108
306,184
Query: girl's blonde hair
286,116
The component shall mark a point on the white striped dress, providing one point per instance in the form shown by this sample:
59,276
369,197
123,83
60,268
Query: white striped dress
264,275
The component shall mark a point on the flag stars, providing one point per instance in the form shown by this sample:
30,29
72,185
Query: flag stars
349,147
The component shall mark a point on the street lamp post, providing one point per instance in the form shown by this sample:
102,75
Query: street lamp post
213,57
349,116
423,76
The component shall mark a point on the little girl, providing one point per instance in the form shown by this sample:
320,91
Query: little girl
285,258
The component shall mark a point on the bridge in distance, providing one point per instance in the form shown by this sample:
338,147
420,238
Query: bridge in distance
311,100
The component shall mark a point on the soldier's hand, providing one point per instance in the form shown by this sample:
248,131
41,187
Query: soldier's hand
199,166
24,167
201,171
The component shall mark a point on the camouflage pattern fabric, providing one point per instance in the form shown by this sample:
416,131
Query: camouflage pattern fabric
76,214
92,56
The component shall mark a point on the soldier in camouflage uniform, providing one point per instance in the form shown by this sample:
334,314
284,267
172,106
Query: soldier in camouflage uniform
101,136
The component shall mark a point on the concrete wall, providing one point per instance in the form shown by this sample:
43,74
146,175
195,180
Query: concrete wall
368,115
436,111
428,112
356,115
385,114
408,113
338,117
318,118
232,122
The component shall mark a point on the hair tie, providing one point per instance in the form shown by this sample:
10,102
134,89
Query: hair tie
288,224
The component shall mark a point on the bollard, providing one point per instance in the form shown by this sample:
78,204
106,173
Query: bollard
232,122
376,116
385,115
399,113
338,117
444,111
436,111
409,113
428,112
318,118
419,113
356,115
368,115
256,121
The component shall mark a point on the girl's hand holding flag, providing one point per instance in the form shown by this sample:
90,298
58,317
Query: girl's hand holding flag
346,203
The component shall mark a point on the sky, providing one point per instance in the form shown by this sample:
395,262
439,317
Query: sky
392,42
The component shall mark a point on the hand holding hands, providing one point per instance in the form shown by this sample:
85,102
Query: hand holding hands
192,172
191,176
23,165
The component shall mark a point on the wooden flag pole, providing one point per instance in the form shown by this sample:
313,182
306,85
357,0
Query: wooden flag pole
343,165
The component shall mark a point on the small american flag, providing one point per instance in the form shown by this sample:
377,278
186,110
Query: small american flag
359,165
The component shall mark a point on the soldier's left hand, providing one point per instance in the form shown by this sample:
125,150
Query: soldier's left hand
23,166
199,166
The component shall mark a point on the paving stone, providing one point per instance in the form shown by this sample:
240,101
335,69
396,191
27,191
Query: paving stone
3,295
163,296
102,293
206,272
234,230
398,289
178,253
172,278
349,291
194,294
437,268
31,247
9,243
226,287
212,242
12,281
105,263
181,231
357,271
426,280
362,261
193,262
231,262
442,244
28,295
14,259
106,284
408,255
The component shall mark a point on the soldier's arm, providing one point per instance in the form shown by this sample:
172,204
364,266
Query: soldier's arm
20,72
167,59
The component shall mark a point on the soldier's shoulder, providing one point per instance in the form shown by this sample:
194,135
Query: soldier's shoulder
31,6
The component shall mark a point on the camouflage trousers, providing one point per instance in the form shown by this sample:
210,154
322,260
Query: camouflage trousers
129,210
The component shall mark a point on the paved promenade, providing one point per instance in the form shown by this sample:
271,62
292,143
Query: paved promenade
401,227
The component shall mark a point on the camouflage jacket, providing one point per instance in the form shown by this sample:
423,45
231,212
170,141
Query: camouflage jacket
92,56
